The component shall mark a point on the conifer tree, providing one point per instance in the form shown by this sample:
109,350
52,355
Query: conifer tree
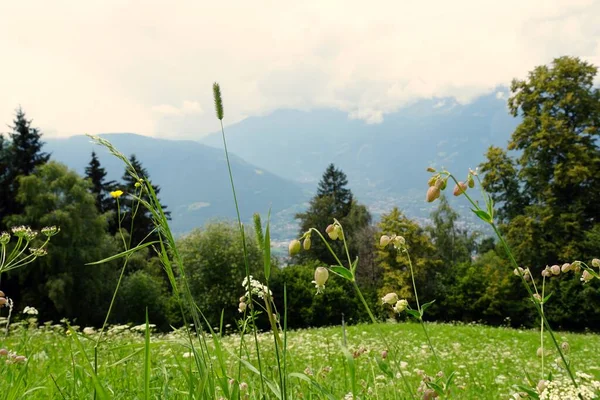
101,190
21,156
143,223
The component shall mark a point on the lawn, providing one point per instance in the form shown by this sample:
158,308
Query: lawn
487,361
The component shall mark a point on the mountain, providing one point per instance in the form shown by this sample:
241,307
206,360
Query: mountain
193,178
385,163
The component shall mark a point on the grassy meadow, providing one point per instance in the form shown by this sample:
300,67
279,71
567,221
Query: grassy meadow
488,361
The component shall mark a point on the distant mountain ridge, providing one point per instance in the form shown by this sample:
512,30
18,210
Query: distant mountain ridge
193,177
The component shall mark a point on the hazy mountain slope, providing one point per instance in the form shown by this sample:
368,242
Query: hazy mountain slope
193,177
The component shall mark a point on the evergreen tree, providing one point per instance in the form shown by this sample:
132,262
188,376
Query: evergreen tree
100,188
549,191
333,200
143,223
333,184
21,157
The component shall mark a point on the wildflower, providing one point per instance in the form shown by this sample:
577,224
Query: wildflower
30,311
306,243
432,193
3,301
541,386
384,354
399,241
384,240
576,266
3,352
19,231
4,238
20,359
50,231
537,297
242,307
243,387
321,276
38,252
431,181
2,294
430,169
566,267
390,298
539,352
546,273
116,194
460,188
334,231
586,276
555,270
596,263
400,305
294,247
565,347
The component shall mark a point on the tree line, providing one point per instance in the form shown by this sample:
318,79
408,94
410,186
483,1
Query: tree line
545,184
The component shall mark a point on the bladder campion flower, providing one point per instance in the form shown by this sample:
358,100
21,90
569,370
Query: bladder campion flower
334,231
116,194
586,276
306,243
294,247
384,240
460,188
596,263
432,193
400,305
390,298
321,276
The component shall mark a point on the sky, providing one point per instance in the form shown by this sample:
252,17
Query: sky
148,66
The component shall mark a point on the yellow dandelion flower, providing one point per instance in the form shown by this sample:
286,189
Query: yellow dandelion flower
116,194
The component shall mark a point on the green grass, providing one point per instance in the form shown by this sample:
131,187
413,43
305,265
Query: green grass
488,362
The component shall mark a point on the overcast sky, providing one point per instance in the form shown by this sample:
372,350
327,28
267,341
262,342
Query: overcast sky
148,66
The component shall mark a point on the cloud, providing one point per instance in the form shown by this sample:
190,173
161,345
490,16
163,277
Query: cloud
99,66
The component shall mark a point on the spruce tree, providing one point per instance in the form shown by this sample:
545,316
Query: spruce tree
101,190
143,223
333,184
21,156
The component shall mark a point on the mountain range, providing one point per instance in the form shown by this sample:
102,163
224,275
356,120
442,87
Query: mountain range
277,159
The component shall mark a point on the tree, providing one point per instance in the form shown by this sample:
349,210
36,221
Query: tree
21,157
395,266
215,268
333,184
60,284
143,224
100,188
452,244
549,190
333,200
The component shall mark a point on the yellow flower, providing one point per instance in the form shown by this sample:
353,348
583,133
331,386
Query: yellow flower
116,194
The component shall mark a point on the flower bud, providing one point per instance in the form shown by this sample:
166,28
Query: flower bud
242,307
432,193
3,352
555,270
306,243
390,298
586,276
596,263
440,183
400,305
576,266
50,231
566,267
294,247
399,241
430,169
539,352
4,237
431,181
116,194
460,188
565,347
384,240
332,231
384,354
537,297
321,276
470,181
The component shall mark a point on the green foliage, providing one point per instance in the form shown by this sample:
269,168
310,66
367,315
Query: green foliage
549,191
305,308
396,273
214,262
101,189
140,291
55,195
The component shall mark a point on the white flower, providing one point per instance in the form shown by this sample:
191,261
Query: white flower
390,298
30,311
